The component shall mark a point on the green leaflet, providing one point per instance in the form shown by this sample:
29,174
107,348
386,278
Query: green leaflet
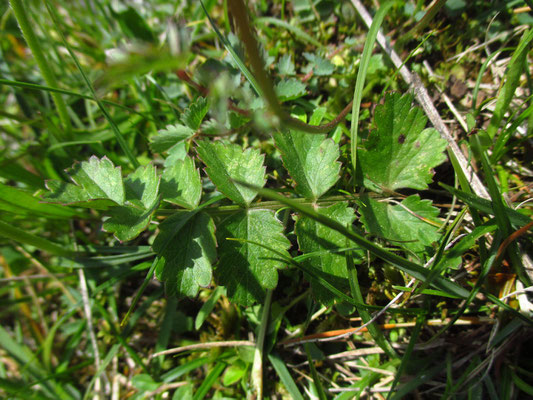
512,81
290,89
173,141
68,194
316,237
246,269
319,65
401,153
142,186
234,373
181,184
134,25
169,137
144,382
310,159
176,153
186,261
286,65
195,113
96,179
402,222
227,163
98,184
127,222
142,200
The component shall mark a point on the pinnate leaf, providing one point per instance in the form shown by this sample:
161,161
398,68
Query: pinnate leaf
400,153
246,269
310,159
181,184
410,223
228,164
315,237
187,247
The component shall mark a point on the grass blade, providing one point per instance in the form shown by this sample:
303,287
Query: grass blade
209,381
314,374
285,376
481,72
118,135
105,363
22,203
501,216
30,364
257,366
420,379
19,9
521,384
373,329
208,307
517,63
33,86
420,321
361,75
486,206
499,148
177,372
22,236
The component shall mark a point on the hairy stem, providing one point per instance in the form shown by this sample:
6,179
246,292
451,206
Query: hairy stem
268,205
245,32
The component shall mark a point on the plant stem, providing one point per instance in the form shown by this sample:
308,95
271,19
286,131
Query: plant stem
29,35
246,34
270,205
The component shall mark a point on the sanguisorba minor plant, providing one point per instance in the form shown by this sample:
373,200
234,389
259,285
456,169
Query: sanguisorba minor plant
245,248
221,208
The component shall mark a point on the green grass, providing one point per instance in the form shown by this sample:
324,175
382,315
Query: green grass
234,202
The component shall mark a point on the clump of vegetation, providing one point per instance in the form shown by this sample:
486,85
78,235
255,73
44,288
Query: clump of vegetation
265,200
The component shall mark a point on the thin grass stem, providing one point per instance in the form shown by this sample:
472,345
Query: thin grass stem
19,10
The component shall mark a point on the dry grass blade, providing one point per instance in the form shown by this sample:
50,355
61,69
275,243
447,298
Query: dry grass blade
202,346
